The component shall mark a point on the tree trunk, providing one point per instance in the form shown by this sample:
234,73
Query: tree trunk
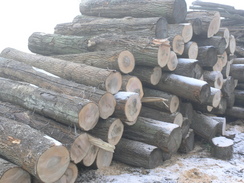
236,112
185,87
207,56
190,50
55,44
187,143
213,78
122,61
185,127
148,75
171,104
238,61
236,71
239,98
222,148
138,154
128,107
103,159
173,10
226,69
147,52
132,84
172,62
63,108
225,33
23,72
104,79
232,45
183,29
75,141
165,136
228,86
11,173
86,26
177,44
20,143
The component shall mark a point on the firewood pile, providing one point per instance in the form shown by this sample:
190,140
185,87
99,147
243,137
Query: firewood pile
130,81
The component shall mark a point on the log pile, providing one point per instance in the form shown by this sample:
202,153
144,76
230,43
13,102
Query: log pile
122,85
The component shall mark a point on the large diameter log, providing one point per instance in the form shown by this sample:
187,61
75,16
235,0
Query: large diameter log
147,51
86,26
63,108
239,98
173,10
183,29
123,61
190,50
128,107
23,72
236,71
20,143
166,136
222,148
75,141
189,68
213,78
185,87
138,154
177,44
171,104
207,56
11,173
56,44
236,112
104,79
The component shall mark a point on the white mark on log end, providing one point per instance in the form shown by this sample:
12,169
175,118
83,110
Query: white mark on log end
45,72
57,143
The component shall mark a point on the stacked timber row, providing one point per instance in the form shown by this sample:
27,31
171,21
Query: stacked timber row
120,84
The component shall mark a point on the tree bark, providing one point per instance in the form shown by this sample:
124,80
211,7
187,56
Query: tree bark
228,86
225,33
207,56
238,61
104,79
20,143
239,98
138,154
185,127
187,143
186,109
213,78
222,148
22,72
173,10
11,173
165,136
236,71
63,108
215,97
195,22
183,29
190,50
155,27
236,112
221,126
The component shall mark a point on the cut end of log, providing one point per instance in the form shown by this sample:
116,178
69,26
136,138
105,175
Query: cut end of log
179,11
134,85
232,45
104,159
80,148
216,98
214,25
178,119
193,51
113,83
173,62
156,75
53,163
70,175
115,132
175,140
204,93
88,116
178,45
133,107
156,158
106,105
187,32
174,104
163,55
126,62
90,158
15,175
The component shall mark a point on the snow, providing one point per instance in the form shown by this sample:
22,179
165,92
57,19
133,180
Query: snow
45,72
57,143
222,142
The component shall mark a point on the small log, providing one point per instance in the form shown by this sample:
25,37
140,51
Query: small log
215,97
225,33
172,62
86,26
138,154
223,59
204,126
232,45
22,72
101,144
236,112
47,160
207,56
185,87
222,148
228,86
187,144
171,104
217,67
132,84
148,75
90,158
185,127
186,109
122,61
230,100
189,68
128,107
70,174
177,44
239,98
183,29
66,109
238,61
173,10
104,79
165,136
213,78
103,159
236,71
221,126
11,173
190,50
221,107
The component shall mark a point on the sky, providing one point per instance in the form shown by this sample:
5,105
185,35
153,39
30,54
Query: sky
20,18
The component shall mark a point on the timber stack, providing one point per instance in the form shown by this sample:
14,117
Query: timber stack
116,83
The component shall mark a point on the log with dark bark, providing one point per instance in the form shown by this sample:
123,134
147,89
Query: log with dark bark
66,109
225,33
166,136
138,154
185,127
104,79
185,87
213,78
122,60
20,143
171,104
238,61
22,72
236,112
222,148
190,50
173,10
187,143
195,22
186,109
207,56
228,86
239,98
11,173
236,71
155,27
221,126
226,69
183,29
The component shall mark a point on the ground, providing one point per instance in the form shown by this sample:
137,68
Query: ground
197,166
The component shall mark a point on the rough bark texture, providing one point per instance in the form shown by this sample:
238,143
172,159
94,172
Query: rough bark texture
222,148
236,112
239,98
236,71
173,10
138,154
187,143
